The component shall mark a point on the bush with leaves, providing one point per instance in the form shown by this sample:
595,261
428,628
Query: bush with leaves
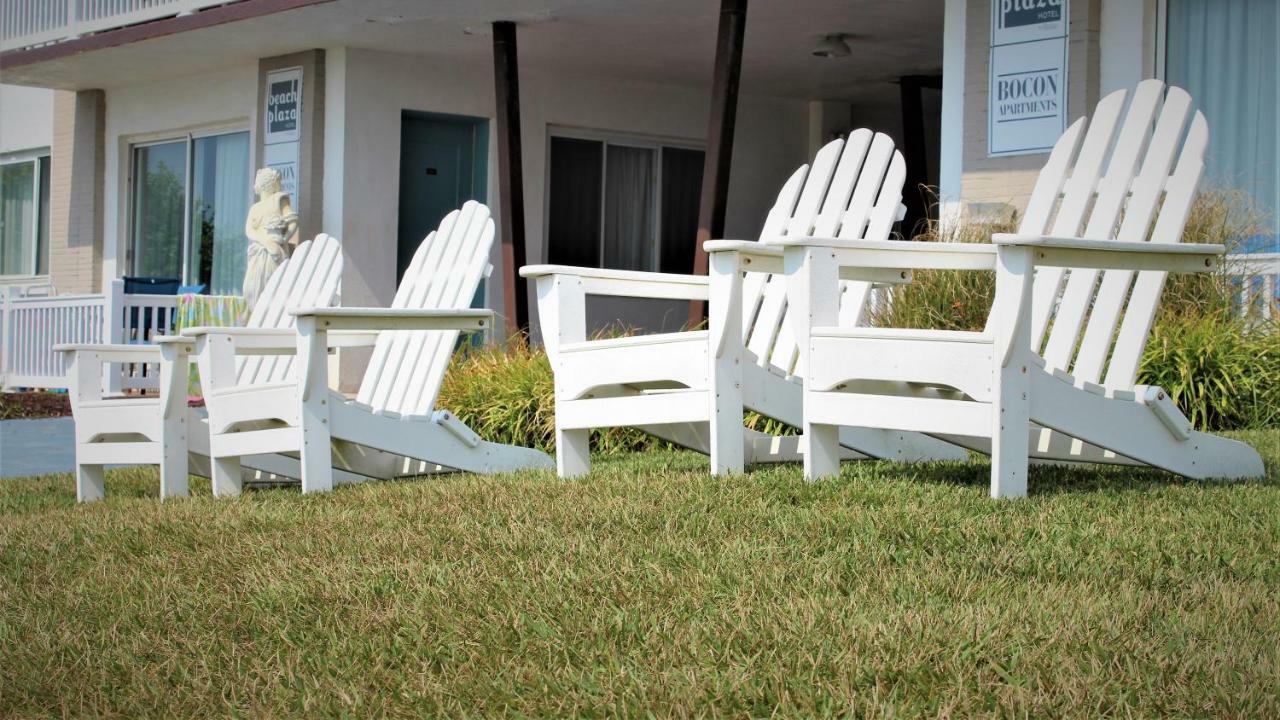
1223,372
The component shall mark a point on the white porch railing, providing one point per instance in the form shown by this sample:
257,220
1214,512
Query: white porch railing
30,326
1259,275
27,23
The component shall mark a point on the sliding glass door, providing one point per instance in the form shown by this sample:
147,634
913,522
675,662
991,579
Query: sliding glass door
190,198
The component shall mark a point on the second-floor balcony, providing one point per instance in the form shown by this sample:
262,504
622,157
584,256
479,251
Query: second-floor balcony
32,23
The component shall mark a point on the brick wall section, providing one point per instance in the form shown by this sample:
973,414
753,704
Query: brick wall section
1009,180
77,161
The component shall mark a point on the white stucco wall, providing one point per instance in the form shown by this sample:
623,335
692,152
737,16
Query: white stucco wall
770,142
365,94
219,101
26,118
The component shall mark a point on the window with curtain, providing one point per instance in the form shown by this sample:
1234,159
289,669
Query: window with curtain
24,216
190,198
622,204
1224,53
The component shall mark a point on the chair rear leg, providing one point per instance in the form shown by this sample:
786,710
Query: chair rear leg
822,451
1010,418
227,479
174,472
573,452
91,484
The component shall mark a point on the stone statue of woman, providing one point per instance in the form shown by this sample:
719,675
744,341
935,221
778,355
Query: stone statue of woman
272,227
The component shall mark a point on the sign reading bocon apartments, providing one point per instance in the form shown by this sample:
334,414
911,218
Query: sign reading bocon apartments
1027,92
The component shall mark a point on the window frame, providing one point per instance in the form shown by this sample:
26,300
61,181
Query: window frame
624,139
189,148
33,156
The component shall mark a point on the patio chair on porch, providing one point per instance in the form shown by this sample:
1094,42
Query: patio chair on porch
164,430
1060,352
393,418
691,387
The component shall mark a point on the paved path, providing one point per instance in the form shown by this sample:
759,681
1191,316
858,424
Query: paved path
37,447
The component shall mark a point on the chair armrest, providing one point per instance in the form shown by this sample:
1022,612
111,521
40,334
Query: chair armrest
1115,254
752,255
356,318
275,341
858,258
626,283
113,353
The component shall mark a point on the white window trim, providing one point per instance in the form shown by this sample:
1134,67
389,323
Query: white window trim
607,138
32,156
188,138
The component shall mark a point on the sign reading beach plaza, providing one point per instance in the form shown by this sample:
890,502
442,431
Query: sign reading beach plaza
282,120
284,105
1027,92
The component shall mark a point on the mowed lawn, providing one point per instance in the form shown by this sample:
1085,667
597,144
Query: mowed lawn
649,588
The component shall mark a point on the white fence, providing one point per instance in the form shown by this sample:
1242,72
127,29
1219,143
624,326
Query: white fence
27,23
1259,275
30,326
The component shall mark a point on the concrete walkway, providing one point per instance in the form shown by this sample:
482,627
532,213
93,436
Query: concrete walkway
37,447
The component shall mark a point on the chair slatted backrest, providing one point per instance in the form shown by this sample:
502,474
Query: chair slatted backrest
309,278
852,191
407,366
1117,181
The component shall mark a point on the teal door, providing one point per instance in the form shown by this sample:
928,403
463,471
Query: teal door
442,165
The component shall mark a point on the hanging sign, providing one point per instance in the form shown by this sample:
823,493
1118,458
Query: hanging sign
283,157
282,127
283,115
1027,89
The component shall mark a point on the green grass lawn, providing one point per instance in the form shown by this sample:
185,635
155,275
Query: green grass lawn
649,588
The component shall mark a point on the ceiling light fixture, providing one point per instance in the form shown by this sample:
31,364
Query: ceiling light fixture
832,46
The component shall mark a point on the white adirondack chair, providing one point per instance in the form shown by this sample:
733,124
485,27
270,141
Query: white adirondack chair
164,431
393,417
1109,200
691,387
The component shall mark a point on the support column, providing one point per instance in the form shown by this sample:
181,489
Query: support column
724,110
506,76
76,184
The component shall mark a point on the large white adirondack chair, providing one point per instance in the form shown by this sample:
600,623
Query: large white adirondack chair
1077,290
394,416
691,387
164,431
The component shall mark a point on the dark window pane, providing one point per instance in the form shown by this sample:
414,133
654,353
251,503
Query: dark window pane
628,208
681,188
42,237
159,186
573,225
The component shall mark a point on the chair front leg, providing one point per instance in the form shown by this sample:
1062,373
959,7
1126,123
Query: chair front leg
562,313
86,379
1011,381
313,416
725,364
175,373
813,299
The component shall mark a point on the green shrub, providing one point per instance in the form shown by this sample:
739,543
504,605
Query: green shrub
1223,374
507,395
945,299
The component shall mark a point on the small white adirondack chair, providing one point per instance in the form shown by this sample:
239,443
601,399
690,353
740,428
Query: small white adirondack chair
691,387
393,417
1059,358
164,430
